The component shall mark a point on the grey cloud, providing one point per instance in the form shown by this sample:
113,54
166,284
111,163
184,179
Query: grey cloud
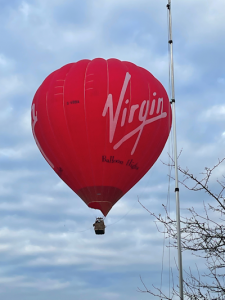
48,246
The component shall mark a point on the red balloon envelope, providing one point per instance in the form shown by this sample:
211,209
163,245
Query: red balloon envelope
101,125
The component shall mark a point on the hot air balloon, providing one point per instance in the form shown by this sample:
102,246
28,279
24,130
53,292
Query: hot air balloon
101,125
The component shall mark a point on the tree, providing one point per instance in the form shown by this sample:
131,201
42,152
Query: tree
202,234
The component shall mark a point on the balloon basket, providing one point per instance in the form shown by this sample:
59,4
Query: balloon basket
99,226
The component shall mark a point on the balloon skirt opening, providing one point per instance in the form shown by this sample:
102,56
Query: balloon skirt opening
100,197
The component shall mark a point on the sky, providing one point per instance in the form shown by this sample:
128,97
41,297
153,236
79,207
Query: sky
48,249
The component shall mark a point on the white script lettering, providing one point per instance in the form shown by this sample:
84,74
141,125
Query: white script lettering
34,121
145,110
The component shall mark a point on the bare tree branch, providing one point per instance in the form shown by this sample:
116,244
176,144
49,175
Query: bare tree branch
201,233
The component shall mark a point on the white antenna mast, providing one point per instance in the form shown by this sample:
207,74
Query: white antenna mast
175,155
